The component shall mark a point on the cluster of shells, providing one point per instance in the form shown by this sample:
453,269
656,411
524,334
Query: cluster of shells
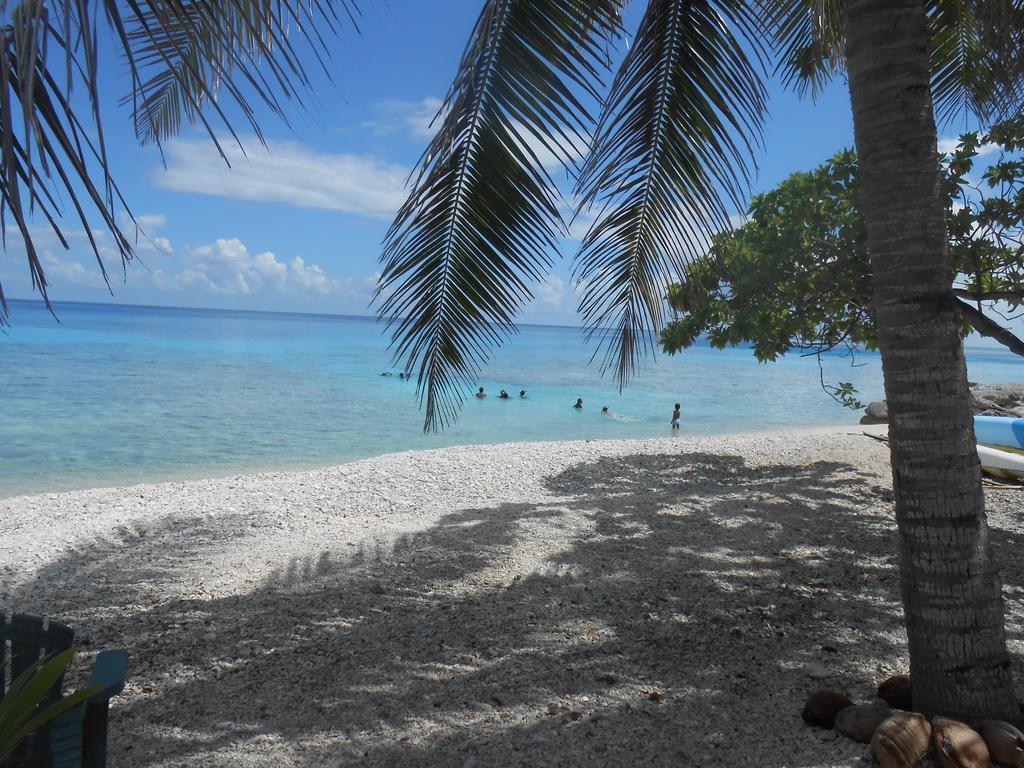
901,738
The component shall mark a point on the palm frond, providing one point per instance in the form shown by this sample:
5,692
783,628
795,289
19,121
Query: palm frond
46,152
807,36
180,53
977,58
482,218
672,152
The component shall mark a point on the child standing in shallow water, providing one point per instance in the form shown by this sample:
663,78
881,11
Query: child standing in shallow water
675,417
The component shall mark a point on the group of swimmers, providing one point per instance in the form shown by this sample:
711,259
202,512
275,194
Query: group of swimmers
578,405
503,395
676,414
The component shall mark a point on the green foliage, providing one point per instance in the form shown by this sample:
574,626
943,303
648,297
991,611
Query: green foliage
22,709
797,275
672,154
985,219
483,219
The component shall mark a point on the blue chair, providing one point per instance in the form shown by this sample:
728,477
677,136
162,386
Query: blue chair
78,737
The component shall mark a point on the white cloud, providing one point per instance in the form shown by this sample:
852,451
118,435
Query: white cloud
413,118
150,222
552,291
579,225
227,266
311,278
948,146
145,227
286,172
579,222
71,271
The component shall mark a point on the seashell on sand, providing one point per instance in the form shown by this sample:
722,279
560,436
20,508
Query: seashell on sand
901,740
957,745
1005,742
860,721
821,708
897,691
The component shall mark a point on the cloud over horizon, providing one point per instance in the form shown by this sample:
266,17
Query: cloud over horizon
286,172
225,267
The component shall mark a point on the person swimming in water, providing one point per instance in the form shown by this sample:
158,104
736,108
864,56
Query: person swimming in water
522,394
503,395
604,411
675,417
480,394
579,404
386,373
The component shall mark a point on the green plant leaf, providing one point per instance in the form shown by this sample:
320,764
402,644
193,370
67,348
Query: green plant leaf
19,708
673,151
483,219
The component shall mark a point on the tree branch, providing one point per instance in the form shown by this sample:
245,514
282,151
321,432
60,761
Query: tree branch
1012,296
986,326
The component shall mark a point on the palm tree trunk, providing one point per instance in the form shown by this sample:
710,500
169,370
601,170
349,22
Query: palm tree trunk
952,596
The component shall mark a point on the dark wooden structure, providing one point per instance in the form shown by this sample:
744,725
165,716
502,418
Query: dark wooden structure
78,737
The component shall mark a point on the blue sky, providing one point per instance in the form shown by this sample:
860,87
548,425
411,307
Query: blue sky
298,227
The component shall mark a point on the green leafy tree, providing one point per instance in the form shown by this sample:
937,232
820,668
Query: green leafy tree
797,274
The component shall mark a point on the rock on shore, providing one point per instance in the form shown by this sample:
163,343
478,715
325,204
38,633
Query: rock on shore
986,400
998,399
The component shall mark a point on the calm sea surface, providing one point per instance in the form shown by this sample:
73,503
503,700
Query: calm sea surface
115,395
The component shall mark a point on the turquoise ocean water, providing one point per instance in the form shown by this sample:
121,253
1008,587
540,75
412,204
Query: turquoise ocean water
116,395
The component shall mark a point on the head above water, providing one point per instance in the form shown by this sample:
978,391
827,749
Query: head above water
605,409
481,389
579,401
522,393
677,406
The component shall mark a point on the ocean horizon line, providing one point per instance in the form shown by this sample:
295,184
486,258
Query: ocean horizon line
982,347
228,310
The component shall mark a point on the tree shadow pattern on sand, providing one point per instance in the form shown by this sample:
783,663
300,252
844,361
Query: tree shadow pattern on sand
671,626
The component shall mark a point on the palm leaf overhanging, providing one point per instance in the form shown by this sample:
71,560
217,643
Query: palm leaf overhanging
483,215
178,53
807,37
181,51
975,57
977,68
673,151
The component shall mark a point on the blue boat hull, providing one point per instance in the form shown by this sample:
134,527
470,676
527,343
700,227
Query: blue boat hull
999,430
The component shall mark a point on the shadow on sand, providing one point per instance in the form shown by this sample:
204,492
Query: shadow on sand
664,616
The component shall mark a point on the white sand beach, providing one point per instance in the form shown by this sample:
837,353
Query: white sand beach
604,603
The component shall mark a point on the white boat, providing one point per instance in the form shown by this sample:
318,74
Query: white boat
1001,463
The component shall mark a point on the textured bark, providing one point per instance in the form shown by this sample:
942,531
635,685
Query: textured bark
952,596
